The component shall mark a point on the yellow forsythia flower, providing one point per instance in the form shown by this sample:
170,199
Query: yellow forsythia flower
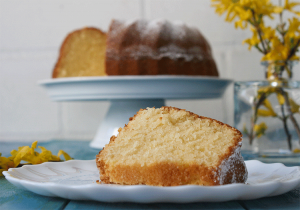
268,32
290,5
277,43
268,104
260,129
294,107
29,156
278,52
280,98
266,113
242,8
254,40
294,28
270,110
266,90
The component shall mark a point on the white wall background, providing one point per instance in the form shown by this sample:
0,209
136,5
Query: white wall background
32,31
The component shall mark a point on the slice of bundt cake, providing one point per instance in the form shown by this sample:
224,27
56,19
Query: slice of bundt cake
82,54
170,146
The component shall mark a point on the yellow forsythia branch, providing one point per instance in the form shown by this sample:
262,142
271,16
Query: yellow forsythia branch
29,156
277,43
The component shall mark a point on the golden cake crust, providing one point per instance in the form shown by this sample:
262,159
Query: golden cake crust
230,168
157,47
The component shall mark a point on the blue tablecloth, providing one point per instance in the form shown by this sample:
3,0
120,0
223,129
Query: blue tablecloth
12,197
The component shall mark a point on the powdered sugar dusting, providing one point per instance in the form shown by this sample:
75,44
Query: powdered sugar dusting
227,166
158,39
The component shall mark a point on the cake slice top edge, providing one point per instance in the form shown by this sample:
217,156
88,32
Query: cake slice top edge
191,139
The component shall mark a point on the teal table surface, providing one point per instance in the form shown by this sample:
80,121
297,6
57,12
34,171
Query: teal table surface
12,197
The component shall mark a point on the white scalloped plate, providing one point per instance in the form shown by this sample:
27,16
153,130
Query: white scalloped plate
76,180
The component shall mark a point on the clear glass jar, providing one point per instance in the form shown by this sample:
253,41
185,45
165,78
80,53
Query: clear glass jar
267,112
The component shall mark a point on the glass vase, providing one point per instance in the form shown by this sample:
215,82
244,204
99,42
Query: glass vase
267,112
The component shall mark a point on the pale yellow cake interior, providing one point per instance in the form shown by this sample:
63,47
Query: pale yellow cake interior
159,135
83,54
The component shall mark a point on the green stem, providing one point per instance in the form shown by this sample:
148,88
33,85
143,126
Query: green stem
254,117
293,51
258,48
290,113
288,135
256,25
281,29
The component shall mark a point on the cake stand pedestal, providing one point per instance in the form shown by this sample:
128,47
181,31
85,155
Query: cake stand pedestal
129,94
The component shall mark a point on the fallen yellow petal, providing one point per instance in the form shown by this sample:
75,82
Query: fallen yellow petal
33,146
297,150
29,156
45,156
66,156
14,152
21,153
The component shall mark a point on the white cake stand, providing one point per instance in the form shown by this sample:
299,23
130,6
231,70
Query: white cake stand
128,94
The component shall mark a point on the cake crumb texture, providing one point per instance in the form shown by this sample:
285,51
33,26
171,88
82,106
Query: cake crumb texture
169,147
82,54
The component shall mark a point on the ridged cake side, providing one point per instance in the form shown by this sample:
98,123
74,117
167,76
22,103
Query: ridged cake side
153,155
157,47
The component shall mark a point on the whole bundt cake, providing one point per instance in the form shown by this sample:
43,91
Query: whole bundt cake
157,47
170,146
